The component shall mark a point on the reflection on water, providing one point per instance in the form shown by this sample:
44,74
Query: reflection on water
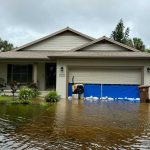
75,125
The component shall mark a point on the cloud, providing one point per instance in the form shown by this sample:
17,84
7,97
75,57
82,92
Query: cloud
24,21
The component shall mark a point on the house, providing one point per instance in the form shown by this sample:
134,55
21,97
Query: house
66,56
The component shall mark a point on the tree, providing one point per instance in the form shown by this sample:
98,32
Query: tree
5,45
147,50
120,34
129,43
138,44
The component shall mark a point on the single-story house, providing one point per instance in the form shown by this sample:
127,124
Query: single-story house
68,56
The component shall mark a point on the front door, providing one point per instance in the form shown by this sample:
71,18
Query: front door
50,76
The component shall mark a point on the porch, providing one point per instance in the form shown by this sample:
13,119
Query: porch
26,72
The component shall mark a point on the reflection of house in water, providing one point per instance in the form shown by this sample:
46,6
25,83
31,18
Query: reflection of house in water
80,124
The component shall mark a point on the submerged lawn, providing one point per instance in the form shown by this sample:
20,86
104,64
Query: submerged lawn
7,99
15,100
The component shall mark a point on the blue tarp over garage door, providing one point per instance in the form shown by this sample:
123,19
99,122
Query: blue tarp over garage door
92,90
121,91
109,91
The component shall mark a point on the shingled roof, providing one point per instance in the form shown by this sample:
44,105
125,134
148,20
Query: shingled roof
45,55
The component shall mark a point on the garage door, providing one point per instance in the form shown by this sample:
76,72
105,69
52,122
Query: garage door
105,75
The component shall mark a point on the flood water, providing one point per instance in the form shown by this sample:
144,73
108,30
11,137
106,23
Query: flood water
75,125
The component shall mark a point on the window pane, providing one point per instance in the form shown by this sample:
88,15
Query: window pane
19,73
30,77
23,78
16,77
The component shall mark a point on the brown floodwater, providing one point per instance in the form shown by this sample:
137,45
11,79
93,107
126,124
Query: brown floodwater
75,125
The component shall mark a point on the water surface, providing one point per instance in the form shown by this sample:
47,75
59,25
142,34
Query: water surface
75,125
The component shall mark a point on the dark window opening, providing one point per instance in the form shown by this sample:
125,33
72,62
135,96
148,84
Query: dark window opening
19,73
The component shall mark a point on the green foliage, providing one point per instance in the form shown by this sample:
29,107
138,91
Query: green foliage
21,102
11,100
147,50
5,99
34,87
52,96
138,44
15,100
120,34
36,93
25,94
5,45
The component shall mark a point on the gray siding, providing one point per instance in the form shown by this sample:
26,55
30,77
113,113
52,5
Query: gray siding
62,42
105,47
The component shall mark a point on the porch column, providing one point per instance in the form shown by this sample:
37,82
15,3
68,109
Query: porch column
35,72
61,79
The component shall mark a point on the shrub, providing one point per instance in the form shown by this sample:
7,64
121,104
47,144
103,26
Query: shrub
52,96
26,94
34,87
35,93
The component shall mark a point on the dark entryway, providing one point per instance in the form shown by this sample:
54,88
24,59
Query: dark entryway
50,75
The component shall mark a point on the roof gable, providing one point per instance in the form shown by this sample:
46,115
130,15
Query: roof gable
66,38
104,44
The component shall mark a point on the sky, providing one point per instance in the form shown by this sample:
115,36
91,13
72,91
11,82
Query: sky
24,21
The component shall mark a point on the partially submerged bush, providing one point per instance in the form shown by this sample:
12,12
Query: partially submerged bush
34,87
29,93
25,94
52,96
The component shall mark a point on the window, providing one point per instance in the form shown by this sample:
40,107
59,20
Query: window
19,73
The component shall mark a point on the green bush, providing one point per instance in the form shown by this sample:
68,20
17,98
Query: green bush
52,96
35,93
26,94
34,87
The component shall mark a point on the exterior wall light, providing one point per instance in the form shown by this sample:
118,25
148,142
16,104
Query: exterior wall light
148,69
61,69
